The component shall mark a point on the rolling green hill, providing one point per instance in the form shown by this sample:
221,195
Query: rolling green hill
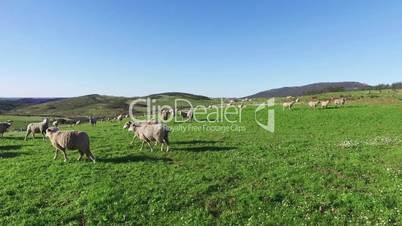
98,105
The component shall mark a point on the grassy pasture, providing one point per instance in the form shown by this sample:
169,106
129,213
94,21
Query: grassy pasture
325,166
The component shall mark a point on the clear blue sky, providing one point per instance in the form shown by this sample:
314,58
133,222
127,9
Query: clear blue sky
210,47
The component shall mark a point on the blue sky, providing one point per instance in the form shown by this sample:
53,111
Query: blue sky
215,48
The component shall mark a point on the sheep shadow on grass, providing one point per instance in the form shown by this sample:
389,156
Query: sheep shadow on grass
10,147
206,149
5,155
13,138
133,158
196,142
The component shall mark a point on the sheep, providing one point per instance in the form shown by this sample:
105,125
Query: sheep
173,112
187,114
4,127
340,101
56,123
241,105
165,114
313,104
325,103
120,117
70,140
150,122
39,127
151,132
77,122
92,120
288,105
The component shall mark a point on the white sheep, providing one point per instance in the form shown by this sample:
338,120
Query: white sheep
150,122
77,122
313,104
340,101
70,140
39,127
151,132
56,123
92,120
120,117
288,105
165,114
188,114
4,127
325,103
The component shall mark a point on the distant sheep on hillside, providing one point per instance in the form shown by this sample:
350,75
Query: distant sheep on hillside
313,104
325,103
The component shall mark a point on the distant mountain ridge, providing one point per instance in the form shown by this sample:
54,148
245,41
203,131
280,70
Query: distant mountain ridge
310,89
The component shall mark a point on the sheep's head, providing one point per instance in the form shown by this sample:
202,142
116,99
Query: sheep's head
132,127
51,130
127,125
45,120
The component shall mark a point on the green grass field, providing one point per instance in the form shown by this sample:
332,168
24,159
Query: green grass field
325,166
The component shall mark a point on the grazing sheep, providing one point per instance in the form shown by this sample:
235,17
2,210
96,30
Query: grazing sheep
151,132
56,123
70,140
39,127
165,114
129,123
3,127
77,122
173,112
288,105
120,117
340,101
187,114
325,103
313,104
92,120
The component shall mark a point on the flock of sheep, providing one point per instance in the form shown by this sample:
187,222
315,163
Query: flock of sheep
147,132
291,101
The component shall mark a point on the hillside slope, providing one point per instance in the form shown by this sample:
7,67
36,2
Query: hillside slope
310,89
98,105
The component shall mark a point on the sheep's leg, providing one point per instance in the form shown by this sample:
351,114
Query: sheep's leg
43,135
90,156
150,146
142,145
56,152
26,135
65,155
33,135
166,141
132,141
162,147
81,154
